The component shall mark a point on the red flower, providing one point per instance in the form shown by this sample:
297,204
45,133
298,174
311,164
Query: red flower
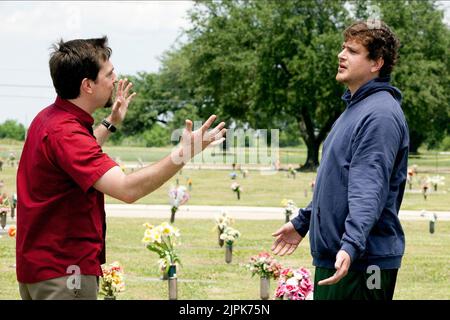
12,231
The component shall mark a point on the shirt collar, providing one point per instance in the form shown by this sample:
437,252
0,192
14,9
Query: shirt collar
86,119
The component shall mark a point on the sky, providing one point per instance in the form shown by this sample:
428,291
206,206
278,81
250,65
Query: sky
138,31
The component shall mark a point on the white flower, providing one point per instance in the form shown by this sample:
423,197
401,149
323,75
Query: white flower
223,220
436,180
235,186
292,281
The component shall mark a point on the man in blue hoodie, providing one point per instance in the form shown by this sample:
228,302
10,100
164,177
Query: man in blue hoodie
356,239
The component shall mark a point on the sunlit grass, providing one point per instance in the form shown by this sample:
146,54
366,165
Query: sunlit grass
205,275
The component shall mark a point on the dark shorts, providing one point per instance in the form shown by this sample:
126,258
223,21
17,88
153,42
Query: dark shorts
356,285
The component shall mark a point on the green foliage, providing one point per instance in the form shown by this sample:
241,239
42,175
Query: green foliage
149,105
422,72
189,111
259,62
445,144
157,136
13,130
289,136
264,63
272,64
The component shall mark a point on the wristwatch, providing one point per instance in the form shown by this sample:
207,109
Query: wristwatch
109,125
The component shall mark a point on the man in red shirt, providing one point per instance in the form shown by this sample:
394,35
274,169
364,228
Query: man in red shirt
63,174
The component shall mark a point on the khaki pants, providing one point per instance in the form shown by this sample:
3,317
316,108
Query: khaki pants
58,289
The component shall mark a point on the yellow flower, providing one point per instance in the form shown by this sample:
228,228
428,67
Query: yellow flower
167,229
148,225
157,237
148,233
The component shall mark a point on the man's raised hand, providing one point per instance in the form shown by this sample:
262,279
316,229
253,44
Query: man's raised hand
194,142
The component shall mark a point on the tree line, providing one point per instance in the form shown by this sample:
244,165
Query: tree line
272,64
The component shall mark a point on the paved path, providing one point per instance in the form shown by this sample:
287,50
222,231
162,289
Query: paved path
210,212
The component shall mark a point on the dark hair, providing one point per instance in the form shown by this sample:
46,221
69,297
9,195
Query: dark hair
74,60
378,39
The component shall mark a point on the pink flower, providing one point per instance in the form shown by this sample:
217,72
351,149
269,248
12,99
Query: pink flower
287,272
280,291
304,272
264,265
294,284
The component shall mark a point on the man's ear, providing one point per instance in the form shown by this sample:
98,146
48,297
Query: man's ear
377,65
86,86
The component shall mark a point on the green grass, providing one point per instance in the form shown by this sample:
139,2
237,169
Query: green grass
212,187
205,275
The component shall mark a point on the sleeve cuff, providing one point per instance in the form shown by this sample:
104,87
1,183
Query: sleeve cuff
299,225
351,250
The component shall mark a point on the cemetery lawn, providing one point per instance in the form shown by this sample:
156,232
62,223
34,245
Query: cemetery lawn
204,274
212,187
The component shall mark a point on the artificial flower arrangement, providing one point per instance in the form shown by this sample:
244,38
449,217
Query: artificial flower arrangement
5,208
289,208
112,280
294,285
162,240
177,197
292,172
229,235
222,222
236,187
435,181
189,183
12,231
264,265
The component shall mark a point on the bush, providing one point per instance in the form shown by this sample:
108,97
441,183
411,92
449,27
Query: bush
445,144
157,136
13,130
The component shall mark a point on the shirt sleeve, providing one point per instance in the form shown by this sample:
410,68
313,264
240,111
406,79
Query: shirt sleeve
374,149
79,155
301,221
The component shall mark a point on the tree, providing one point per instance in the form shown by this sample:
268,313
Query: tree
13,130
155,102
422,72
258,61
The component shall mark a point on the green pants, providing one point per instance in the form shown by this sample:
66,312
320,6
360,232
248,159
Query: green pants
356,285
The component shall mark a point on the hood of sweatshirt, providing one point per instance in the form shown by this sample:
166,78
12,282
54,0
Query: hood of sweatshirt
371,87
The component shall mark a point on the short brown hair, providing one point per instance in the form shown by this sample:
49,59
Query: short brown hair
378,39
74,60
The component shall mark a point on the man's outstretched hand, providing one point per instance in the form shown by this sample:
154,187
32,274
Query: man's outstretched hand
287,240
341,265
194,142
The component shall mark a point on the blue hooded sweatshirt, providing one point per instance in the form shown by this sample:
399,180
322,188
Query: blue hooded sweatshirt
360,183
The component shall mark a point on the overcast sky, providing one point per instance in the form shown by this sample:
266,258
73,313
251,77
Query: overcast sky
139,32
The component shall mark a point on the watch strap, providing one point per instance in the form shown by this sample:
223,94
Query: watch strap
109,125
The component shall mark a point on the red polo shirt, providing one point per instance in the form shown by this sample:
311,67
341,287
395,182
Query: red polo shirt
60,216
